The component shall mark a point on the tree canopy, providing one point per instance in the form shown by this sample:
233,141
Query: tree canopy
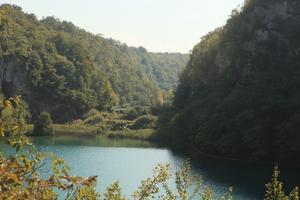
66,70
239,94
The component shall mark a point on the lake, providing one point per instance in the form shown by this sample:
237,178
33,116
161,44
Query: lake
130,161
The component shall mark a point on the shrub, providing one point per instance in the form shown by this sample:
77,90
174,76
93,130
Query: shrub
145,121
91,113
136,111
275,190
43,125
96,119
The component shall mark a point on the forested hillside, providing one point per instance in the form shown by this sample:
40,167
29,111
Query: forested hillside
239,96
62,69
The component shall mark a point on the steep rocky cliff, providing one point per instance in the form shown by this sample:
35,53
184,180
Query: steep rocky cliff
14,81
239,96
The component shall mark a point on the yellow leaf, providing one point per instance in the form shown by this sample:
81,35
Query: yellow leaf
1,131
18,99
15,127
7,103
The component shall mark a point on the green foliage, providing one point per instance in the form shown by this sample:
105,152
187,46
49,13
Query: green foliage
63,65
137,111
144,121
150,186
19,173
14,113
140,134
20,178
238,96
96,119
75,129
188,186
43,125
111,125
275,189
91,113
113,192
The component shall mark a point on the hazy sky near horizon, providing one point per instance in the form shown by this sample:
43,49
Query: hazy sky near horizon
157,25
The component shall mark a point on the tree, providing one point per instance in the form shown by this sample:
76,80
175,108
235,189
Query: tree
76,71
43,125
275,190
19,173
239,94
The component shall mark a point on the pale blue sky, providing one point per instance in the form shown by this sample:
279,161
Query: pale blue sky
158,25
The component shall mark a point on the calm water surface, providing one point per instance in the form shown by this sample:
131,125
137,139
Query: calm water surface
130,161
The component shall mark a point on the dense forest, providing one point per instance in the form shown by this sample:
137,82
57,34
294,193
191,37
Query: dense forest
237,97
239,94
60,68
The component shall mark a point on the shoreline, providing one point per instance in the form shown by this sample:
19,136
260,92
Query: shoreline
152,135
82,130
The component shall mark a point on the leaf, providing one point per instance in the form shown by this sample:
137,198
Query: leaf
14,128
7,103
2,131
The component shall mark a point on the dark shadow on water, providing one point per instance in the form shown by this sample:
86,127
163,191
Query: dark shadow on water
244,177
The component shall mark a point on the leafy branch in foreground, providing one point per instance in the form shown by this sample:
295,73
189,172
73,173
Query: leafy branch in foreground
188,186
275,189
19,172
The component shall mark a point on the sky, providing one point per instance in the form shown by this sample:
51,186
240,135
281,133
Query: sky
157,25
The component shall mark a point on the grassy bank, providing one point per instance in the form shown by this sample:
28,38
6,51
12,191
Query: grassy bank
73,129
69,129
141,134
84,130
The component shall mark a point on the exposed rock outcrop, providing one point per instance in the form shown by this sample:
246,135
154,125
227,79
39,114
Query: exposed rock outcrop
13,79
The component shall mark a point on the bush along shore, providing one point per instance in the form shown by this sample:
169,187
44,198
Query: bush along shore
133,122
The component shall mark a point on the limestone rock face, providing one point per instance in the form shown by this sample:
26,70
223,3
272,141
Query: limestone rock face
264,23
263,34
13,79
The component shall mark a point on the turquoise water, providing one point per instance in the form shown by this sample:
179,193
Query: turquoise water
130,161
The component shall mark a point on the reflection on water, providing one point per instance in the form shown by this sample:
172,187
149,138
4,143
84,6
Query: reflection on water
100,140
130,161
